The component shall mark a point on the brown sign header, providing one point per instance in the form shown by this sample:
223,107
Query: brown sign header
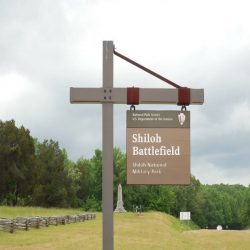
158,147
158,119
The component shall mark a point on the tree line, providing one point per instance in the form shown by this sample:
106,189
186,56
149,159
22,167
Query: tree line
34,173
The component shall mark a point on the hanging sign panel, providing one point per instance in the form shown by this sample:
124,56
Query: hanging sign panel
158,147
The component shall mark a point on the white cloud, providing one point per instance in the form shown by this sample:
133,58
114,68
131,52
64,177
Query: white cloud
239,119
210,173
48,46
12,87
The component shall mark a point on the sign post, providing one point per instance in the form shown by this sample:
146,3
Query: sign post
107,96
107,148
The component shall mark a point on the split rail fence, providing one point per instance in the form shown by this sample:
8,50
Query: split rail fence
25,223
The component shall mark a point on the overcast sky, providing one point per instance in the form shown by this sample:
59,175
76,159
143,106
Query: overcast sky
46,47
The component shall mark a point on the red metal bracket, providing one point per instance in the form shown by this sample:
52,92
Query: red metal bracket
184,96
133,95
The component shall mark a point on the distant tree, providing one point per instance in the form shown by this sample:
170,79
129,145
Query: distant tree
185,196
89,181
95,175
198,209
17,160
82,179
119,167
245,214
54,187
219,205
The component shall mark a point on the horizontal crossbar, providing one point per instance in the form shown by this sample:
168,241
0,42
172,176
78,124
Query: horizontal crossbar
119,96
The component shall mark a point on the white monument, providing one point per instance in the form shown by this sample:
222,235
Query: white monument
119,206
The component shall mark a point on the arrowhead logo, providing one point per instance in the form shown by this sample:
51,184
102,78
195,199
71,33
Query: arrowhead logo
181,118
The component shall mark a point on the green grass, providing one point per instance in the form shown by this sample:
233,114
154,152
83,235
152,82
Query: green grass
147,231
12,212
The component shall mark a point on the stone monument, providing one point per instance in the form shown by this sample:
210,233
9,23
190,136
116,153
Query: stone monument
119,206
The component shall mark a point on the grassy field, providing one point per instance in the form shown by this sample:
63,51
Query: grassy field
148,231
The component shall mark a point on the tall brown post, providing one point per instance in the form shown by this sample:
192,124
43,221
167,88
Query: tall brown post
107,147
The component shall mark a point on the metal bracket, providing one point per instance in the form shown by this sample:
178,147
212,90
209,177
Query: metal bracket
184,96
133,95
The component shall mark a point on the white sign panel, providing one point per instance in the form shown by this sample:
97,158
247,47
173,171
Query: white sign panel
185,215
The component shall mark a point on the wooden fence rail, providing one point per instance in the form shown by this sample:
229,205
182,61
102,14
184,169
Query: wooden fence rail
25,223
